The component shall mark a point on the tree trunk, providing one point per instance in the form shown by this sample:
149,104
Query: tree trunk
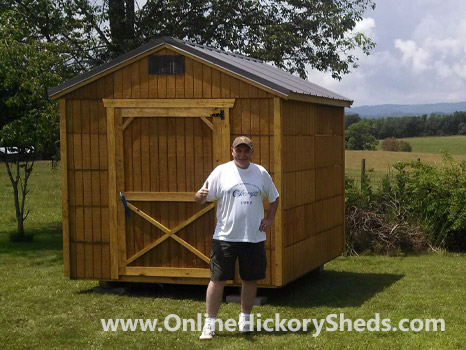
129,20
19,183
19,214
121,19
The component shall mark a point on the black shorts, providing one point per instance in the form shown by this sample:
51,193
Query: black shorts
251,257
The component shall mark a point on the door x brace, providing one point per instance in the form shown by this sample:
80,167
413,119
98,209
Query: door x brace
169,233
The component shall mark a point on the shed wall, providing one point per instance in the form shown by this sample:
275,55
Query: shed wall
86,149
313,186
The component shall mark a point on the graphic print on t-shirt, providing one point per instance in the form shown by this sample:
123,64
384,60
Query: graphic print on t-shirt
244,192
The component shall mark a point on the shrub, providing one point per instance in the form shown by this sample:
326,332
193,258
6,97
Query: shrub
377,223
383,230
389,144
417,207
437,196
394,145
404,146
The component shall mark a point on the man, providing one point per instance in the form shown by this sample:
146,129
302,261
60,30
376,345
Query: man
239,187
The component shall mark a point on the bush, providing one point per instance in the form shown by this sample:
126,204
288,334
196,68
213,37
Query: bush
417,207
377,223
404,146
394,145
437,196
379,231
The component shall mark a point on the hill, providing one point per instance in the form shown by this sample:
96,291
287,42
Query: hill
395,110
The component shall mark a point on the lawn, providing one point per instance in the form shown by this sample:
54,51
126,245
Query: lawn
44,310
41,309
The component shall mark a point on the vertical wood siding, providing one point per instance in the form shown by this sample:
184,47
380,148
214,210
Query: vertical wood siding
313,186
87,189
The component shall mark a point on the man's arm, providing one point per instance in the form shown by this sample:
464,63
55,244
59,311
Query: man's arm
268,221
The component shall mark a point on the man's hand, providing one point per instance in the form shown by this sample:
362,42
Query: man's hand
265,224
268,221
201,195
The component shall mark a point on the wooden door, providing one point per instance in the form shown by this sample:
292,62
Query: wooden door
164,151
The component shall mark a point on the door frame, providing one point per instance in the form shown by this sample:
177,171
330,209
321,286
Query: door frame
116,110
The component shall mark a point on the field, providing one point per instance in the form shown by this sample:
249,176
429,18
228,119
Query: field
427,149
454,145
41,309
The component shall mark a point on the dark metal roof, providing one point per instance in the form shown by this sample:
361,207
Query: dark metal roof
249,68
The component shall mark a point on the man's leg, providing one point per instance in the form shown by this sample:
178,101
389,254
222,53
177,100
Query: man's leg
214,297
252,266
213,301
248,295
222,268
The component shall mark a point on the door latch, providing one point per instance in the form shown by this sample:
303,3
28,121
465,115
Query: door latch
125,204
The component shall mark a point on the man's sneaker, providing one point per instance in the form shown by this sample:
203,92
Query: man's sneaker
207,332
244,326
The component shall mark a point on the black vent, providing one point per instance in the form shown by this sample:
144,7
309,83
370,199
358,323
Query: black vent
166,65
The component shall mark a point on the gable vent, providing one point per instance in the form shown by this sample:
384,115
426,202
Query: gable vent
166,65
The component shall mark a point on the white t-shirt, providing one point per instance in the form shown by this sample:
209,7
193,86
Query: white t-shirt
239,193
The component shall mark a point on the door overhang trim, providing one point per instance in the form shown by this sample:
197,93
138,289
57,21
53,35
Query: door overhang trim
169,103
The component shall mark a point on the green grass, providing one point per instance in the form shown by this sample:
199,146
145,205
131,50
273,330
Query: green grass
41,309
454,145
427,149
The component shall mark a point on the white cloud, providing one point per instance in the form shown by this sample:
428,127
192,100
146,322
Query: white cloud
460,69
445,47
366,26
418,57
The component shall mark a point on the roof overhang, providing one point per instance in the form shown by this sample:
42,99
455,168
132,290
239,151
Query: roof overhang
320,100
194,53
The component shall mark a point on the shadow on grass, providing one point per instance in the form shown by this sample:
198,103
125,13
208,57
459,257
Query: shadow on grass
331,288
155,290
45,238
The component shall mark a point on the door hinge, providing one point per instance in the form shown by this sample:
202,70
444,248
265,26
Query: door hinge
220,115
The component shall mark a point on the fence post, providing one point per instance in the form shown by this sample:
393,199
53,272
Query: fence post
363,173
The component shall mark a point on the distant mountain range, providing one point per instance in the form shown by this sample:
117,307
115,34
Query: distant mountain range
380,111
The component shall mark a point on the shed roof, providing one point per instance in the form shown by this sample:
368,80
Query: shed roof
255,70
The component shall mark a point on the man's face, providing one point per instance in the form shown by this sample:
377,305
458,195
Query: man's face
242,155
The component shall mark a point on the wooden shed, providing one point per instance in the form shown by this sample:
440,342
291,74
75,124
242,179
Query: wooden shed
153,123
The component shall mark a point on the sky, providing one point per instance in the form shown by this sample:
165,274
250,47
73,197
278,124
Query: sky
420,55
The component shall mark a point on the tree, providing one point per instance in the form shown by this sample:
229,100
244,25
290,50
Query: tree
360,136
351,119
294,35
29,121
462,129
